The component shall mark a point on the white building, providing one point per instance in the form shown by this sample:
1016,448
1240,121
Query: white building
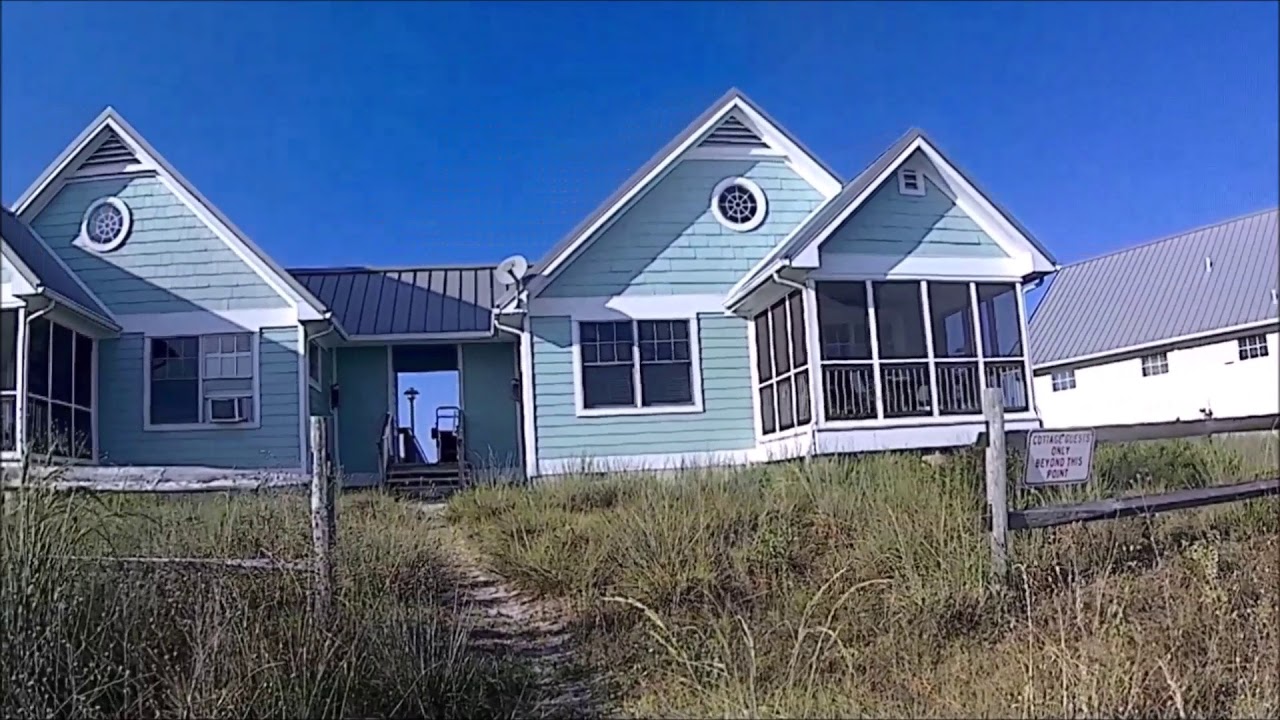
1178,329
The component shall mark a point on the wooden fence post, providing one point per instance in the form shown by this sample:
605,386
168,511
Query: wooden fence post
323,515
997,483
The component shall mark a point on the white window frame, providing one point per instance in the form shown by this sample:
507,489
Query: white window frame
1062,380
315,351
904,176
126,225
775,377
695,369
762,202
23,408
255,338
1155,364
1252,347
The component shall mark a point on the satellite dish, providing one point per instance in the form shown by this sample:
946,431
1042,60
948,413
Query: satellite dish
512,270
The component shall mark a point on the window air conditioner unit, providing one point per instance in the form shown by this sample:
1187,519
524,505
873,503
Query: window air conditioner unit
229,409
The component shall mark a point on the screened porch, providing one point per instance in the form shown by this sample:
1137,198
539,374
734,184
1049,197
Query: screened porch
889,352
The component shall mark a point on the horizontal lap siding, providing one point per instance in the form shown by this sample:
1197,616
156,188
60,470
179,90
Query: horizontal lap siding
669,243
120,415
890,223
171,261
725,423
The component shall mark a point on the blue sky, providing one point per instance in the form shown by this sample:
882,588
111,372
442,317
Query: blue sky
400,133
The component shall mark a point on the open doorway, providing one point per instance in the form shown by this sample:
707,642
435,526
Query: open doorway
431,372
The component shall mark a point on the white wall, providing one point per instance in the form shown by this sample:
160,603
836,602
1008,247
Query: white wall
1209,375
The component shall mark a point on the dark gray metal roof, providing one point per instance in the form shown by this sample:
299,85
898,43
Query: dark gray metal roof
658,158
51,274
1202,280
406,301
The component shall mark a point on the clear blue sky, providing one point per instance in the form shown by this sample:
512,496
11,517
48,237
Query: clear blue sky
399,133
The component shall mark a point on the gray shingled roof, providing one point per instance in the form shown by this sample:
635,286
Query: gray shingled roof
401,301
51,275
1161,290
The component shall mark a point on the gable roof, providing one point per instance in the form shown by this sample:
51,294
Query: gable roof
838,208
1199,281
441,300
701,126
128,148
45,271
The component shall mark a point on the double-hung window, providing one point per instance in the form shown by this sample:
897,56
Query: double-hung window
202,380
636,364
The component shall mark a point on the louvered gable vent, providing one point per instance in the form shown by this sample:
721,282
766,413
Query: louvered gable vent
112,155
733,133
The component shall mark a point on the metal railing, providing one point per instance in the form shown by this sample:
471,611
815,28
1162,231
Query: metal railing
906,389
849,391
1011,377
959,392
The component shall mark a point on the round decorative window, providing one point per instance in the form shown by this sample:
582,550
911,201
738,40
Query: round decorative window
738,204
105,225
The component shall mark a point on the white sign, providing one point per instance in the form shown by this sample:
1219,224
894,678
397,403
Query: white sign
1056,457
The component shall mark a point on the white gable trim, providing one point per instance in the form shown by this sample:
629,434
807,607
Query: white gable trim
949,180
54,176
801,162
22,281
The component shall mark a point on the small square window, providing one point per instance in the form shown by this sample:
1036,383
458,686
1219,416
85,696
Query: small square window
1064,380
1157,364
1254,346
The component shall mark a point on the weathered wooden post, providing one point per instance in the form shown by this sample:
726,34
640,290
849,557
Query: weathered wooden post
323,516
997,483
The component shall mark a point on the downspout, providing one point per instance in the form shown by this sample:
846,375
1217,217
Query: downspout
525,348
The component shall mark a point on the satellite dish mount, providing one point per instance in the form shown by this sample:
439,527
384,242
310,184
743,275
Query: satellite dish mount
512,271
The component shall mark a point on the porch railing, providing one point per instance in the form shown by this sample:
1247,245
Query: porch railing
905,390
850,391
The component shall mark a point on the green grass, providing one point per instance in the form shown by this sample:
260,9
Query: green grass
84,640
860,587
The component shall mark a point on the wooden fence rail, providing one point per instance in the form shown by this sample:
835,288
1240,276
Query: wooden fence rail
1140,506
1001,520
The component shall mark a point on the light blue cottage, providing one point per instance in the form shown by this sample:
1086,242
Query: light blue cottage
733,302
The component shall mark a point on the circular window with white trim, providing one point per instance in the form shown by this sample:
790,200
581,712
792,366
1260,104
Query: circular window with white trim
738,204
105,225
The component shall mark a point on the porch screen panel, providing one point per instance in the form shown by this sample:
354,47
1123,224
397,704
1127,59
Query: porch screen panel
59,391
844,332
1003,345
8,380
955,349
905,383
782,365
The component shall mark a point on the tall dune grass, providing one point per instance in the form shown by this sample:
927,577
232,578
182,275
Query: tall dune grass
859,587
97,640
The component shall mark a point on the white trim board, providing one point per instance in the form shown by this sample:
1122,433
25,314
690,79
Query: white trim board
207,322
47,184
622,307
1045,368
849,266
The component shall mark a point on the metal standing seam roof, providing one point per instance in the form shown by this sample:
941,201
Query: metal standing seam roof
1201,280
50,273
406,301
